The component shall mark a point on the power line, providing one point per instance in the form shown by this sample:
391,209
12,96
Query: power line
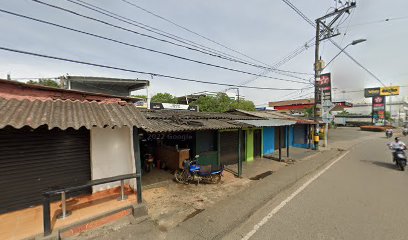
138,33
143,48
281,62
137,71
191,31
149,28
331,40
380,21
177,38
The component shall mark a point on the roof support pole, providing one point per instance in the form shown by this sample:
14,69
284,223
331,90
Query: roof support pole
287,141
138,165
280,143
239,152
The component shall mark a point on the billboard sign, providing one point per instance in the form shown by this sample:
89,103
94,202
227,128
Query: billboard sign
371,92
325,87
172,106
378,108
389,91
381,91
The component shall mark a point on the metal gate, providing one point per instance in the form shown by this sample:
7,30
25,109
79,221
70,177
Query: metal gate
229,142
32,161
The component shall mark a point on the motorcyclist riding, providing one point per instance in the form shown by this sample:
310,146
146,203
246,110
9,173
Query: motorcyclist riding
389,132
397,144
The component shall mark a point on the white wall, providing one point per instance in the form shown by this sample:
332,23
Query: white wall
111,155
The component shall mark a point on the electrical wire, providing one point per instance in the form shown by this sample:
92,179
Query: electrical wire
137,71
281,62
191,31
146,49
149,28
379,21
333,42
146,35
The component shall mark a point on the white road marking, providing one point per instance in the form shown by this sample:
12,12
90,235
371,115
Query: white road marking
287,200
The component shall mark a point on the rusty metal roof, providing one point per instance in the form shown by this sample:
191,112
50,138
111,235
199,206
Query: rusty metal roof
173,121
267,122
65,114
167,114
276,115
172,125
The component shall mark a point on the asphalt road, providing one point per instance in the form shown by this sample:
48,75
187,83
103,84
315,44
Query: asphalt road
361,196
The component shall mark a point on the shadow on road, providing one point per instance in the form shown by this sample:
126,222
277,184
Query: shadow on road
388,165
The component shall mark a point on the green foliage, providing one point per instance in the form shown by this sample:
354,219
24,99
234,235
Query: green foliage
344,113
243,105
388,116
309,112
139,96
45,82
164,98
222,103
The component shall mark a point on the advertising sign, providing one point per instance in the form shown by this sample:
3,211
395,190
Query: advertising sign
371,92
378,108
173,106
325,86
389,91
383,91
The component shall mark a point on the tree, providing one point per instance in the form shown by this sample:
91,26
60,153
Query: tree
309,112
45,82
222,103
139,96
164,98
243,105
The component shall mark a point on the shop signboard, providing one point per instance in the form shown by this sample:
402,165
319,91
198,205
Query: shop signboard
325,87
371,92
378,109
390,91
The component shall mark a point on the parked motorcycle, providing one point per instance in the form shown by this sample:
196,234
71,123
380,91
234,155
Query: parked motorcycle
194,172
148,162
388,133
400,158
405,131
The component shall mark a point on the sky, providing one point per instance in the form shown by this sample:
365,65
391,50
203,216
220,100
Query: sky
265,30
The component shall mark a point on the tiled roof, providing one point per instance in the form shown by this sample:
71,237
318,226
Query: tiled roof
65,114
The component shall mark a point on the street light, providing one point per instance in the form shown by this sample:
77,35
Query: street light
355,42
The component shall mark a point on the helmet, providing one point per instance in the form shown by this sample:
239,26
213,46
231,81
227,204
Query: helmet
397,139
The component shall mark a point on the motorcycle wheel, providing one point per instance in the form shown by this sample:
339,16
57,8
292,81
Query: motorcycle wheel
402,167
180,176
216,178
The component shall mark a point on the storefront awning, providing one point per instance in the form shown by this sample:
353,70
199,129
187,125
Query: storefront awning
266,122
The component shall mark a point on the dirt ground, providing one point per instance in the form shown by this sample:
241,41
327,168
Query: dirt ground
175,203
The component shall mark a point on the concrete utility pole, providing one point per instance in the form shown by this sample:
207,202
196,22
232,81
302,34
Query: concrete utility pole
324,30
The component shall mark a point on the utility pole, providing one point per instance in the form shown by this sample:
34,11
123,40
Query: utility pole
324,30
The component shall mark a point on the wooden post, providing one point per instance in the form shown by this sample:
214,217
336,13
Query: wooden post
287,140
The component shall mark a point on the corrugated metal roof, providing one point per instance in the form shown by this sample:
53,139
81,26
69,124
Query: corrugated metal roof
65,114
167,114
276,115
267,123
178,125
